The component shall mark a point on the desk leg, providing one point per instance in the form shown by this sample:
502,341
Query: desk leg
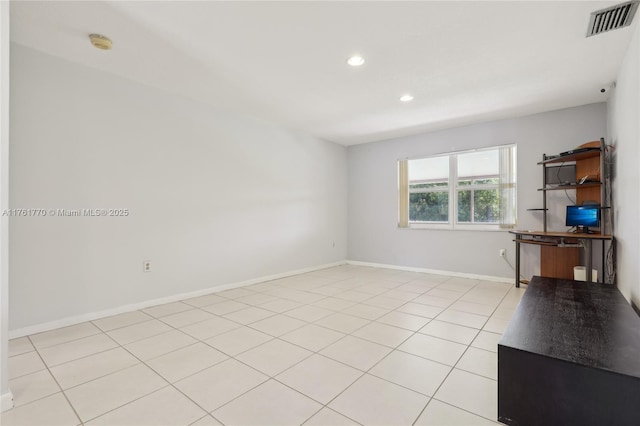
589,260
517,263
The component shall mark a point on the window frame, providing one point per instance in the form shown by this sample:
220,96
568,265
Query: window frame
453,188
473,188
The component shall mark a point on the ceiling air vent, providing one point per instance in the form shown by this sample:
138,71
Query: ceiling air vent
612,18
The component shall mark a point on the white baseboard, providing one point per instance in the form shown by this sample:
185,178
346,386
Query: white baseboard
433,271
6,401
65,322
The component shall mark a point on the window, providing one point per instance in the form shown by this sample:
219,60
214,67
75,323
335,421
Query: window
470,190
429,190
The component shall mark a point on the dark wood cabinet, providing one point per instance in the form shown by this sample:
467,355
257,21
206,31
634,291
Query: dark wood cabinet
570,356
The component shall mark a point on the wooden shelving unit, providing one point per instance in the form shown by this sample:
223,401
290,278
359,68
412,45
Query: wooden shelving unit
590,164
559,256
572,186
592,152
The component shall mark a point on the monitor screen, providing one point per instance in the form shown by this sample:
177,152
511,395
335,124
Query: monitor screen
588,215
558,175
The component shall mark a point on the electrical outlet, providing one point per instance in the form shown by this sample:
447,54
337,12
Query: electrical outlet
502,253
146,266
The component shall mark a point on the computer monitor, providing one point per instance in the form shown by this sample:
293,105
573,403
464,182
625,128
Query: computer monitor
560,175
582,217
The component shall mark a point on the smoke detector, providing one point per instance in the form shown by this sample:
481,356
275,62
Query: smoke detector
612,18
100,41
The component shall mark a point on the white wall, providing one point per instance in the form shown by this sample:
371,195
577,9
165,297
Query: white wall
373,193
6,399
214,198
624,130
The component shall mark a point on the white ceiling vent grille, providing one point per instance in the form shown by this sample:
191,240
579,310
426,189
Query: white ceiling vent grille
612,18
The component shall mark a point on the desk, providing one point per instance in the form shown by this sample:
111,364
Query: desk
569,356
554,239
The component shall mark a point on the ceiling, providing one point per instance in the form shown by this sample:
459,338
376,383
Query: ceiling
285,62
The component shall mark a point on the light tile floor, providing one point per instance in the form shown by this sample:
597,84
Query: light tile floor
339,346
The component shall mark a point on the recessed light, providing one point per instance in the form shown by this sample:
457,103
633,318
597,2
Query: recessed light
406,98
355,61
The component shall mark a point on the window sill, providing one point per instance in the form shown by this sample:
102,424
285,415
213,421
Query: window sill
459,227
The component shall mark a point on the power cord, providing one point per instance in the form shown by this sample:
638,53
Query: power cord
610,257
510,265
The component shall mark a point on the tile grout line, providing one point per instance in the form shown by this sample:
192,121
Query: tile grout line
393,349
100,331
249,366
58,384
368,372
122,369
169,384
363,372
448,374
306,322
452,369
307,357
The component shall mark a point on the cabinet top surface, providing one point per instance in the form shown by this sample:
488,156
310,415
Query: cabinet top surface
589,324
562,234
